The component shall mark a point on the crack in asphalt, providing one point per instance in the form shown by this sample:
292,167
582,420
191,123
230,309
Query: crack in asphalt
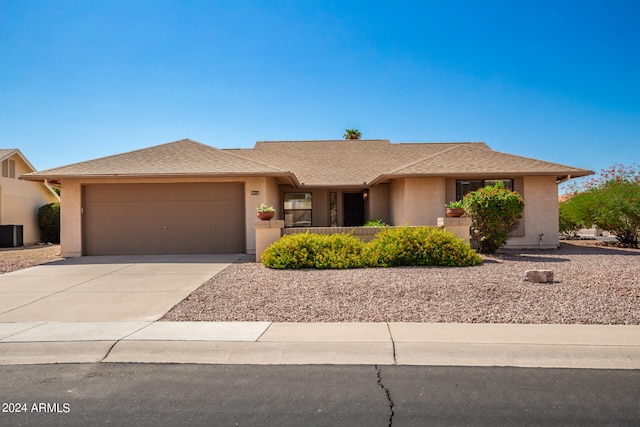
387,393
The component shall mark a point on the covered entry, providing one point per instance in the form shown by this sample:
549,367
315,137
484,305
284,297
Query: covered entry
353,206
173,218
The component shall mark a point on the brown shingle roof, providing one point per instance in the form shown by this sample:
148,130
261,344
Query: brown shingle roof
366,162
336,163
341,162
184,157
470,160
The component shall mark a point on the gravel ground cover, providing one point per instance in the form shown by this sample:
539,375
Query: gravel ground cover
593,285
17,259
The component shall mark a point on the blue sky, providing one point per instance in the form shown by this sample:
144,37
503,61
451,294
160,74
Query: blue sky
554,80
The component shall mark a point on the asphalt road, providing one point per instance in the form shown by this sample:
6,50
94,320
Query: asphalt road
183,395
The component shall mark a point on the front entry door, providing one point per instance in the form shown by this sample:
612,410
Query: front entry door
353,208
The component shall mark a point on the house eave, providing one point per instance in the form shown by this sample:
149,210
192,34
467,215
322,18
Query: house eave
56,179
482,175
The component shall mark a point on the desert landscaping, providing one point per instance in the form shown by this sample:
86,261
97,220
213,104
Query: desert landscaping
592,285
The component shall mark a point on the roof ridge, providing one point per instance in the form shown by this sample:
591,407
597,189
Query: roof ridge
110,156
251,160
324,140
233,154
137,150
538,160
441,143
422,159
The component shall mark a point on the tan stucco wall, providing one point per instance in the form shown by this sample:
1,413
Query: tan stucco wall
379,203
417,201
71,206
320,201
540,216
70,218
269,195
20,201
450,184
396,202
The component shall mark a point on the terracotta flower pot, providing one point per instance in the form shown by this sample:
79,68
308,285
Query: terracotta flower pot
265,216
454,212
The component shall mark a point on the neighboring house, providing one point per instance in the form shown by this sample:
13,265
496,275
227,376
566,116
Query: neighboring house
21,200
187,197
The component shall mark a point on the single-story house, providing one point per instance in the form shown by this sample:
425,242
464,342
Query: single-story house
21,200
187,197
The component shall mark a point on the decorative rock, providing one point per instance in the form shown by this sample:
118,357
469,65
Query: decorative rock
538,276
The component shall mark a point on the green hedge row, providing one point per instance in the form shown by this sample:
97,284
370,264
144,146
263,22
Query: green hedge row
402,246
49,222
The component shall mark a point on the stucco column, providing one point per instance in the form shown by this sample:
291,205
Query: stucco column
71,219
458,226
267,232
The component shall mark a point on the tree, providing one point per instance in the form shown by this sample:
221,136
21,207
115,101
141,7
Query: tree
352,134
610,201
495,212
569,227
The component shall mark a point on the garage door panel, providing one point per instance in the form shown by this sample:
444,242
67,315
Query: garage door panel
163,218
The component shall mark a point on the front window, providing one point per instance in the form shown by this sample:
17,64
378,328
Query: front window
297,209
333,209
464,186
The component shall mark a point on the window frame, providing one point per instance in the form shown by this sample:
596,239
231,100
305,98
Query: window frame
291,212
485,182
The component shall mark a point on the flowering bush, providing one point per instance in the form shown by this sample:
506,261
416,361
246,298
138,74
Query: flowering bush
495,212
610,201
391,247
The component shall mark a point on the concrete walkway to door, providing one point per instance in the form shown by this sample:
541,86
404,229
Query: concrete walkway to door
105,288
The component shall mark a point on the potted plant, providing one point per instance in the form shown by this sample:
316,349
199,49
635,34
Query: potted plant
454,209
265,212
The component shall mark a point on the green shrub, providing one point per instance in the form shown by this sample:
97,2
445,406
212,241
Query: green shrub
338,251
314,251
49,222
375,223
495,212
611,202
403,246
411,246
569,227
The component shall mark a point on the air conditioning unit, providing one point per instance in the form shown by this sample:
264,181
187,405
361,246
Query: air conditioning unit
11,236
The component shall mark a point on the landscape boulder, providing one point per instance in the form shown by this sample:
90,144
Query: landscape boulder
538,276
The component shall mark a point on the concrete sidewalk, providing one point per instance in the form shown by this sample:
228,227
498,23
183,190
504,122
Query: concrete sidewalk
561,346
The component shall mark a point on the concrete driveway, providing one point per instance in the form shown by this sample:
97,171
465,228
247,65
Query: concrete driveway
105,288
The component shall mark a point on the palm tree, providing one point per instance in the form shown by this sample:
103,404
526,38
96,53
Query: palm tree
352,134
